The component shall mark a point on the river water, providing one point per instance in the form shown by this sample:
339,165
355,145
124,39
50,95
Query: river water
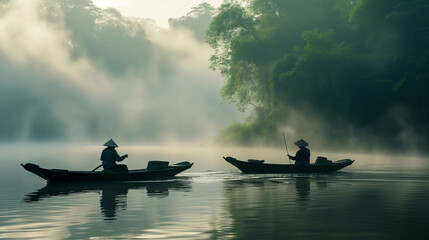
378,197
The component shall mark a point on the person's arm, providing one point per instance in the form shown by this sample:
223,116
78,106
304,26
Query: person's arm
298,156
119,158
124,156
291,157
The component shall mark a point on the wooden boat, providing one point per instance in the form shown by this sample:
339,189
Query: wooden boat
257,166
62,175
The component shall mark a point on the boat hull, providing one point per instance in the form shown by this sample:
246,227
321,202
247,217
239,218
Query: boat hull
256,168
60,175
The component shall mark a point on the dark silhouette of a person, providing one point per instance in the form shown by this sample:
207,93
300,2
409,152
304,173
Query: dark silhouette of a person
110,156
302,157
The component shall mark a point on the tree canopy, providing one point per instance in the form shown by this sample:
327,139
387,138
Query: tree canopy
337,70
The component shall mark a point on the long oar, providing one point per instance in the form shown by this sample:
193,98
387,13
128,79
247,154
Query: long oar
97,168
284,138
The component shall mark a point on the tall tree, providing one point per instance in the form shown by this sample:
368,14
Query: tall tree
350,66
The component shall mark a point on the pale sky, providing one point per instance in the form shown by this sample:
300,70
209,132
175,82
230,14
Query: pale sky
159,10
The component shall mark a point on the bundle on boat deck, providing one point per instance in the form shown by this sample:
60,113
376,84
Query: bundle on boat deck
255,161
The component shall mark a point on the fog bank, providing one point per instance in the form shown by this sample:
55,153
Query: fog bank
72,71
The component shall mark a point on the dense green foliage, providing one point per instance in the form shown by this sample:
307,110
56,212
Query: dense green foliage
337,71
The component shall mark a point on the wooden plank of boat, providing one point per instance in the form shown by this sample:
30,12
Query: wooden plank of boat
260,167
63,175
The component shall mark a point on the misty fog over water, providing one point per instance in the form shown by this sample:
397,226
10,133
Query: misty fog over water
378,197
73,71
349,77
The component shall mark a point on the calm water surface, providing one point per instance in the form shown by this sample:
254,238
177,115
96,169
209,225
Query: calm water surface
378,197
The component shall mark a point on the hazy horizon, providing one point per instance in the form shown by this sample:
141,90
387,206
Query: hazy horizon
73,71
84,71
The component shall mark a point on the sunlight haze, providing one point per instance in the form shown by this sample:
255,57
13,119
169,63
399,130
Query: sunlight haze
80,72
214,119
158,10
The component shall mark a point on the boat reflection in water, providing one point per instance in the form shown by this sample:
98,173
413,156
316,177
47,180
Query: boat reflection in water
113,195
302,185
288,203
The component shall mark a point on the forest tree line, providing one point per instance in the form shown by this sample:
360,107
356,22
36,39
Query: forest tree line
337,72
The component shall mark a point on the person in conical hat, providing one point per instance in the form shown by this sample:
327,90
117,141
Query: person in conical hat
110,143
303,155
110,156
301,143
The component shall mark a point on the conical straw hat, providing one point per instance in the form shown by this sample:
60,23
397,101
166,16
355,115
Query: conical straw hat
301,143
110,143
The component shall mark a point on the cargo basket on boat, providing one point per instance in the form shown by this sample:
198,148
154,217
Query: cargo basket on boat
157,165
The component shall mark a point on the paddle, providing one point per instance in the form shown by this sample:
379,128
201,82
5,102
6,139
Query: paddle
284,138
97,168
